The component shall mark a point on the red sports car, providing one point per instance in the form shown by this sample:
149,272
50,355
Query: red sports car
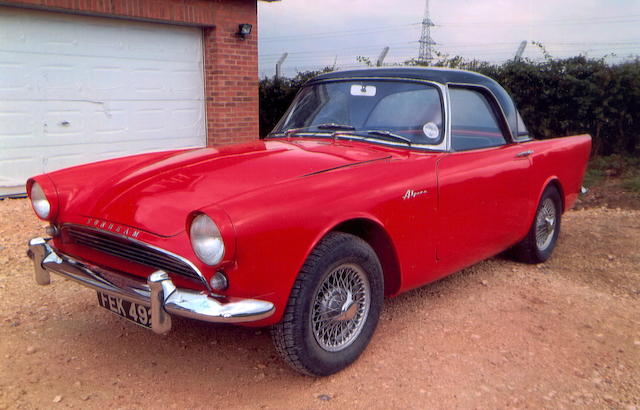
373,183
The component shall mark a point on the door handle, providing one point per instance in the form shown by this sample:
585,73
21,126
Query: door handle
524,153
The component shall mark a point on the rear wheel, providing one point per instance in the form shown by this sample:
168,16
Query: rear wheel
334,307
541,239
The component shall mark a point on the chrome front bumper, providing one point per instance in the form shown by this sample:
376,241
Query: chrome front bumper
158,291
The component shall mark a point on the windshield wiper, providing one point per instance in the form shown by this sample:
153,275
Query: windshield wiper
325,126
334,126
380,133
345,127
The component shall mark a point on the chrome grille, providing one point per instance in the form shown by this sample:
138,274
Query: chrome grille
131,250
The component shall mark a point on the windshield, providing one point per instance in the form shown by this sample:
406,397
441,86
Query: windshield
406,112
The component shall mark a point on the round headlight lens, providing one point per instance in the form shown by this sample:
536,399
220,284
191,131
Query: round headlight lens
206,240
39,201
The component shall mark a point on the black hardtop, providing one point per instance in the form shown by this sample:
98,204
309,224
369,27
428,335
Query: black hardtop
438,75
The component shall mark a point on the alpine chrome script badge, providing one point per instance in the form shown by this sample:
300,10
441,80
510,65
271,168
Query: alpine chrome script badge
410,194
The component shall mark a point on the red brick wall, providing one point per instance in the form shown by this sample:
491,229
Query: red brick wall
230,63
231,71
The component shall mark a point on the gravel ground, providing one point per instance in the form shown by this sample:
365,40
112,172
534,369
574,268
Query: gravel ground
500,334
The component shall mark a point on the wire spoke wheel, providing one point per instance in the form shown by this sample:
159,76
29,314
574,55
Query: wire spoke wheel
340,307
334,306
542,237
545,224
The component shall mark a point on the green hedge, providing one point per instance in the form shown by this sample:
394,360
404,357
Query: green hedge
556,98
275,96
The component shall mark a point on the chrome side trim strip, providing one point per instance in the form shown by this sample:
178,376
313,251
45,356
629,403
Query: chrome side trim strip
158,291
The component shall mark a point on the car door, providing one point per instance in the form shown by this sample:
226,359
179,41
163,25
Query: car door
483,183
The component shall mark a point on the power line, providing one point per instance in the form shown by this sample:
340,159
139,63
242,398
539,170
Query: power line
350,31
632,18
329,34
545,43
333,50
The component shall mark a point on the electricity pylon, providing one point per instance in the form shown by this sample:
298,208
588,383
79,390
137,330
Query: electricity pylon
426,42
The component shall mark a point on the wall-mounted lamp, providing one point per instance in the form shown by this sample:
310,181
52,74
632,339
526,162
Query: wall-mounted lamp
244,30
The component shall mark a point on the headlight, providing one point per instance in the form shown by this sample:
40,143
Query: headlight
39,201
206,240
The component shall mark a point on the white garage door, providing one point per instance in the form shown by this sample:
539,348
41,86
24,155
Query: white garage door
76,89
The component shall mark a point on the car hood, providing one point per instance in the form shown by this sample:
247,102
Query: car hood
156,192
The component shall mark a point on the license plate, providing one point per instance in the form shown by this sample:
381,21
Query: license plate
135,312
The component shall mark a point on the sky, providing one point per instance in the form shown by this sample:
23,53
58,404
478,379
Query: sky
319,33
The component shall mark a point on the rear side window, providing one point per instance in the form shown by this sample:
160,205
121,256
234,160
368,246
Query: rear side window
523,133
473,122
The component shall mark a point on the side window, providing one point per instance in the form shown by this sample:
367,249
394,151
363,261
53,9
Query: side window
473,122
523,133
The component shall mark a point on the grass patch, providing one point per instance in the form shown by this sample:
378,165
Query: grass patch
632,184
592,177
626,168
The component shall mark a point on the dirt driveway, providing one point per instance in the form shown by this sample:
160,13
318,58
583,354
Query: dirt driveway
563,334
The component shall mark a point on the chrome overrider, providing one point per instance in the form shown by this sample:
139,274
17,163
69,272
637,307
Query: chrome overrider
158,291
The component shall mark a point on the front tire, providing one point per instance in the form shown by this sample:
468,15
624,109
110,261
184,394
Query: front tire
541,239
334,307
